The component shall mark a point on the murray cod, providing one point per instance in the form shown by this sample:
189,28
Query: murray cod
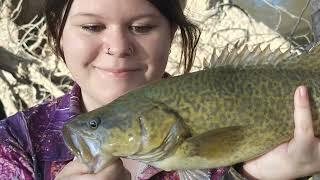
230,112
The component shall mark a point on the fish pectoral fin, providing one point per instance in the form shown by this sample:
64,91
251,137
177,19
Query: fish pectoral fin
207,150
223,147
214,145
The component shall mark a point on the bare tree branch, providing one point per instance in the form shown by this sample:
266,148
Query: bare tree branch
10,63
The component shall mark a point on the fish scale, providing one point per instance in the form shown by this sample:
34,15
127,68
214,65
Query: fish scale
242,81
216,117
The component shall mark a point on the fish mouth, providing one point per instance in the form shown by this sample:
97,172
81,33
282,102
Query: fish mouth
77,144
87,152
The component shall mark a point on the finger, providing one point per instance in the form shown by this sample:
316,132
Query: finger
72,168
302,116
115,171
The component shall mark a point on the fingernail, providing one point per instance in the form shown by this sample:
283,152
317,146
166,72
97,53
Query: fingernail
303,91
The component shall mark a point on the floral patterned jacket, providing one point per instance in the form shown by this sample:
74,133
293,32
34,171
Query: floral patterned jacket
32,147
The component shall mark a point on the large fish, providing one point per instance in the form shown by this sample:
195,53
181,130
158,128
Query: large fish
212,118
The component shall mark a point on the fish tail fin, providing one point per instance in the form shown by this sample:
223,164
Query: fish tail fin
194,174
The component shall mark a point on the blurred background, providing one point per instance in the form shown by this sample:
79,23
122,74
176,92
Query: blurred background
30,72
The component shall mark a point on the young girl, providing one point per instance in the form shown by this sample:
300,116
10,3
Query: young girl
111,47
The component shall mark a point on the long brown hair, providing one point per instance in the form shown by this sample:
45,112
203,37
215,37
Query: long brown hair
56,12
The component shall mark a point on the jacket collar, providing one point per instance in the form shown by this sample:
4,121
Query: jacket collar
46,122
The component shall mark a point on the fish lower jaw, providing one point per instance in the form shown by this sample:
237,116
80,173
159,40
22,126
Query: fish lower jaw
99,162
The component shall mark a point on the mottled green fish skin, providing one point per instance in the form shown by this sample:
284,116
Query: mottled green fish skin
223,116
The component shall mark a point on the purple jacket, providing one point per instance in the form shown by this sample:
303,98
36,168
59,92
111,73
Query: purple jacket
32,147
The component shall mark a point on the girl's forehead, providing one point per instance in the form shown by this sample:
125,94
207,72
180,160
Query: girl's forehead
113,7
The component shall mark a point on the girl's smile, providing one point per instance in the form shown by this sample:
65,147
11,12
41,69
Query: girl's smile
117,73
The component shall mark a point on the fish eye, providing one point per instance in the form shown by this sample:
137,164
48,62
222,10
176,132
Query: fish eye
93,124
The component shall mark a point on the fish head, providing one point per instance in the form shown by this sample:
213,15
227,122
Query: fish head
98,137
145,131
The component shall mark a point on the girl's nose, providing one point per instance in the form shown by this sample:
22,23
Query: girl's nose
117,52
118,44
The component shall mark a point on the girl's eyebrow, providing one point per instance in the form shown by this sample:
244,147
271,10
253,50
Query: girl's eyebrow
146,15
86,14
135,17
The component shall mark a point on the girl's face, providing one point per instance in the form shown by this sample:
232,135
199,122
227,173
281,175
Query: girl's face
112,46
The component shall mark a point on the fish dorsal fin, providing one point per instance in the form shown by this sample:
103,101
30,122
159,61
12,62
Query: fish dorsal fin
242,56
258,58
308,60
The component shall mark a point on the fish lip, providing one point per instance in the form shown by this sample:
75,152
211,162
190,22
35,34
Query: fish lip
69,141
77,145
99,162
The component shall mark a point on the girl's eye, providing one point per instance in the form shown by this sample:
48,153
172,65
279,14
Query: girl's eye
141,29
93,28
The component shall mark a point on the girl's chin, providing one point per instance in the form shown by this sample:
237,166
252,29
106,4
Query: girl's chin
99,94
114,91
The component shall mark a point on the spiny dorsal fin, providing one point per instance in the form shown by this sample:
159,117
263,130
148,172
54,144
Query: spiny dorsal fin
241,56
258,57
309,60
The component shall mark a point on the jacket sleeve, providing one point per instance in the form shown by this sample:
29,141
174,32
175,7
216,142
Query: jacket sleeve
14,164
16,155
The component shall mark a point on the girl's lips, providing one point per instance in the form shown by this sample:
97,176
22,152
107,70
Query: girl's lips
117,73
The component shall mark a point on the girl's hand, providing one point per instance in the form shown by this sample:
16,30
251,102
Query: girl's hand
78,171
298,158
